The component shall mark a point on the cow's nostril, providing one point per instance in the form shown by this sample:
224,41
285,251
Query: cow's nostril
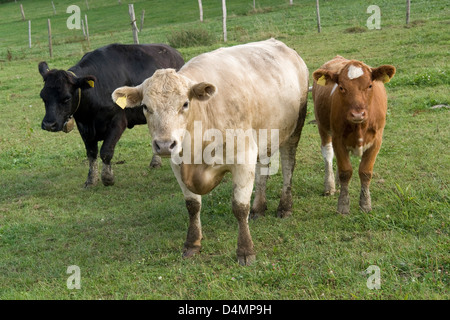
173,145
156,146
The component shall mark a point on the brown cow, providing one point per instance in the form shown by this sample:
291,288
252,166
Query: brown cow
247,88
350,105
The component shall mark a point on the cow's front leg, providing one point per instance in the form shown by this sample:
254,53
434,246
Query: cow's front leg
156,162
243,177
193,205
365,176
92,151
345,173
107,151
329,182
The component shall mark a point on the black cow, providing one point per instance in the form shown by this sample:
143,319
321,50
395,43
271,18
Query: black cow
84,93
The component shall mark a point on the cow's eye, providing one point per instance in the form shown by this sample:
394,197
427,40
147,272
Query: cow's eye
66,99
186,105
146,109
370,87
341,89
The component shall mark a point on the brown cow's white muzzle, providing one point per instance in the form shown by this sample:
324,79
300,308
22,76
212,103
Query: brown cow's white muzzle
164,147
357,117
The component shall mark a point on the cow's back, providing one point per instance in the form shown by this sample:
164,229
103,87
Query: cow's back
117,65
259,85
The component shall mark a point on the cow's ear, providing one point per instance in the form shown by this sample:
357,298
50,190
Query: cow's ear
86,82
324,77
383,73
43,69
202,91
127,97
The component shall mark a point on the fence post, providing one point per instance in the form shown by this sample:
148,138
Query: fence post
318,16
50,47
22,12
134,28
87,30
84,30
29,34
224,14
200,7
142,20
54,9
408,10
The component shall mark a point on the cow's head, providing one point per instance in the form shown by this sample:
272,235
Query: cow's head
352,87
167,97
61,95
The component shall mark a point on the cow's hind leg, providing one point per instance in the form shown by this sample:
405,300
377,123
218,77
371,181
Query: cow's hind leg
243,177
365,176
345,174
259,205
287,155
193,205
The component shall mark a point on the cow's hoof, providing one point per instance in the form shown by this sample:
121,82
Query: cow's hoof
246,260
366,208
190,252
156,162
258,212
108,180
328,193
256,215
343,209
284,213
155,165
89,184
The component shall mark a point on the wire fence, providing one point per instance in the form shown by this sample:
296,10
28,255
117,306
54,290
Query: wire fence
109,20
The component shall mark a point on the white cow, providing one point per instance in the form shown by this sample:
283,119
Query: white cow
254,91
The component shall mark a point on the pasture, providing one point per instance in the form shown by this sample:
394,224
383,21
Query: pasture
127,239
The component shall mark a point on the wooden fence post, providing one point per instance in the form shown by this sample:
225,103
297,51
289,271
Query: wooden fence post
22,12
200,7
87,4
50,47
318,16
134,28
142,20
408,10
87,30
54,9
224,15
291,2
84,30
29,34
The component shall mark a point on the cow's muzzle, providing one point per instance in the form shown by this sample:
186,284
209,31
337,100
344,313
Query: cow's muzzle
164,147
358,117
50,126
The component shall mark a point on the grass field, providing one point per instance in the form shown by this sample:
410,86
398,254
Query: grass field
127,239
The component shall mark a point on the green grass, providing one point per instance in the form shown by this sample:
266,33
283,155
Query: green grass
127,239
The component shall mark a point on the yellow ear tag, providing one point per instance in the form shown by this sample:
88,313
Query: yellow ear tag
322,81
122,102
91,83
386,78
